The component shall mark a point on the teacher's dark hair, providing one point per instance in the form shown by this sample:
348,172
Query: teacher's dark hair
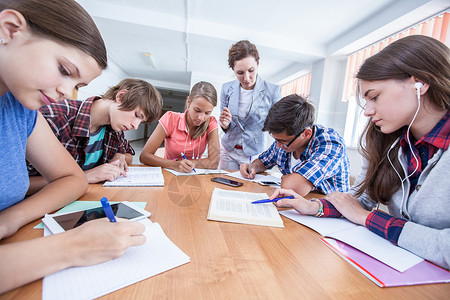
241,50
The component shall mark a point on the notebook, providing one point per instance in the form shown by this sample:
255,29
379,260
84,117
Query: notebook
139,176
385,276
157,255
359,237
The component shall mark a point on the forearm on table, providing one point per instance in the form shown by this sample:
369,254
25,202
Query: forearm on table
51,197
26,261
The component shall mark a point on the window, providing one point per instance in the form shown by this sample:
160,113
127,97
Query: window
436,27
298,86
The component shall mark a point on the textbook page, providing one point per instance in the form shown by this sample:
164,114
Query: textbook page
139,176
259,178
157,255
358,237
197,172
236,207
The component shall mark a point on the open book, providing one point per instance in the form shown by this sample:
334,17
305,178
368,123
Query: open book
383,275
197,172
139,176
236,207
259,178
360,238
157,255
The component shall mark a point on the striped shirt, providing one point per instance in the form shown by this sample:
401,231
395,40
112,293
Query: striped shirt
324,162
70,119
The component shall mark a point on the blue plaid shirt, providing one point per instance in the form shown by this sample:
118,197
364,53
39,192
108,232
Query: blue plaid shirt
324,162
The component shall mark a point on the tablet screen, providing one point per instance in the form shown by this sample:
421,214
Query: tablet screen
75,219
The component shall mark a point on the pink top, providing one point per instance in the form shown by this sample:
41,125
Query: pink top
178,138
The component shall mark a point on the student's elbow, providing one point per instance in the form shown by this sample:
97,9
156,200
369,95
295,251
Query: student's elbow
297,183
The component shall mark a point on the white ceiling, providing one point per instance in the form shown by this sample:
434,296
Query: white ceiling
186,36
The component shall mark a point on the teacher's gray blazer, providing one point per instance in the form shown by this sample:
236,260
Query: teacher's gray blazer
265,94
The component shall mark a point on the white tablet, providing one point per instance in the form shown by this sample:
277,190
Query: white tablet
60,222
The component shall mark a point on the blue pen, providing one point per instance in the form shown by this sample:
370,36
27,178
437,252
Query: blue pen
182,155
108,210
249,165
272,200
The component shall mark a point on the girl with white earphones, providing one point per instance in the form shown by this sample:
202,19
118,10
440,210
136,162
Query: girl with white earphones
406,88
186,135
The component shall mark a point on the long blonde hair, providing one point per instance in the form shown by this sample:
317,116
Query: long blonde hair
206,90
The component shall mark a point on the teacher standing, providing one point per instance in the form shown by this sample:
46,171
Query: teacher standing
244,104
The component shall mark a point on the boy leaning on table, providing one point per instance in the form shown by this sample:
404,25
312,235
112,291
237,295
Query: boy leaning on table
311,157
93,130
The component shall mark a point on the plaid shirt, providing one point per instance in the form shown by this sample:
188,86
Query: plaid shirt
70,119
381,223
324,162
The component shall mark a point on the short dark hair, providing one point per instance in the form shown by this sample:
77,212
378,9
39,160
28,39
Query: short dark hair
292,115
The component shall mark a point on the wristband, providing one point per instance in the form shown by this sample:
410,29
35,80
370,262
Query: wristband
320,211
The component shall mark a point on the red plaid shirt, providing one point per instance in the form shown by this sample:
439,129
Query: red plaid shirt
70,119
381,223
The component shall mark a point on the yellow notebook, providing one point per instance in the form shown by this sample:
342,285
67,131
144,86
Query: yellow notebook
236,207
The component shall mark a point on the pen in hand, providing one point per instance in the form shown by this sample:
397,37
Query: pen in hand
184,157
272,200
108,210
249,165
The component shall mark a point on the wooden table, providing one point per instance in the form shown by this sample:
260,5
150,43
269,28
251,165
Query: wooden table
234,261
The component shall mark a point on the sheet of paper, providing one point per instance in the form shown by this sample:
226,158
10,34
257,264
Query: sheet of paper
358,237
157,255
234,206
83,205
259,178
139,176
198,172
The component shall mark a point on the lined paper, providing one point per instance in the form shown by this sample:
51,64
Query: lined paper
157,255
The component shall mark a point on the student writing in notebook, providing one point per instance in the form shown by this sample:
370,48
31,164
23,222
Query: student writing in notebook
93,130
47,48
405,92
244,103
187,134
310,156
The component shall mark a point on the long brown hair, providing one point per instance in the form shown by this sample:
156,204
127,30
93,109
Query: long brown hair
428,60
63,21
208,91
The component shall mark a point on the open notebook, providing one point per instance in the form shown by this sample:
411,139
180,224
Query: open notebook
358,237
385,276
139,176
157,255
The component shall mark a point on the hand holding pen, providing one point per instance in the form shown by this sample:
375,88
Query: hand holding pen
188,163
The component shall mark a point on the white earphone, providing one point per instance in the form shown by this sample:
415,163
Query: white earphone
417,86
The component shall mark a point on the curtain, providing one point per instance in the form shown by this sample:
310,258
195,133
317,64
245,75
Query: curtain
298,86
436,27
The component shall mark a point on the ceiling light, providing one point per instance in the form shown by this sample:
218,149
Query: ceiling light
150,60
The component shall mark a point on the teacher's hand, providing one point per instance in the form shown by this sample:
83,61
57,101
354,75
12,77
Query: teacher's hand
225,118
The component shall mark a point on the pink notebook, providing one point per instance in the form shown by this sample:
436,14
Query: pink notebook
385,276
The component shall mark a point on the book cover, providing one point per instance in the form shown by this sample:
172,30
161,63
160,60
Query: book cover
385,276
236,207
